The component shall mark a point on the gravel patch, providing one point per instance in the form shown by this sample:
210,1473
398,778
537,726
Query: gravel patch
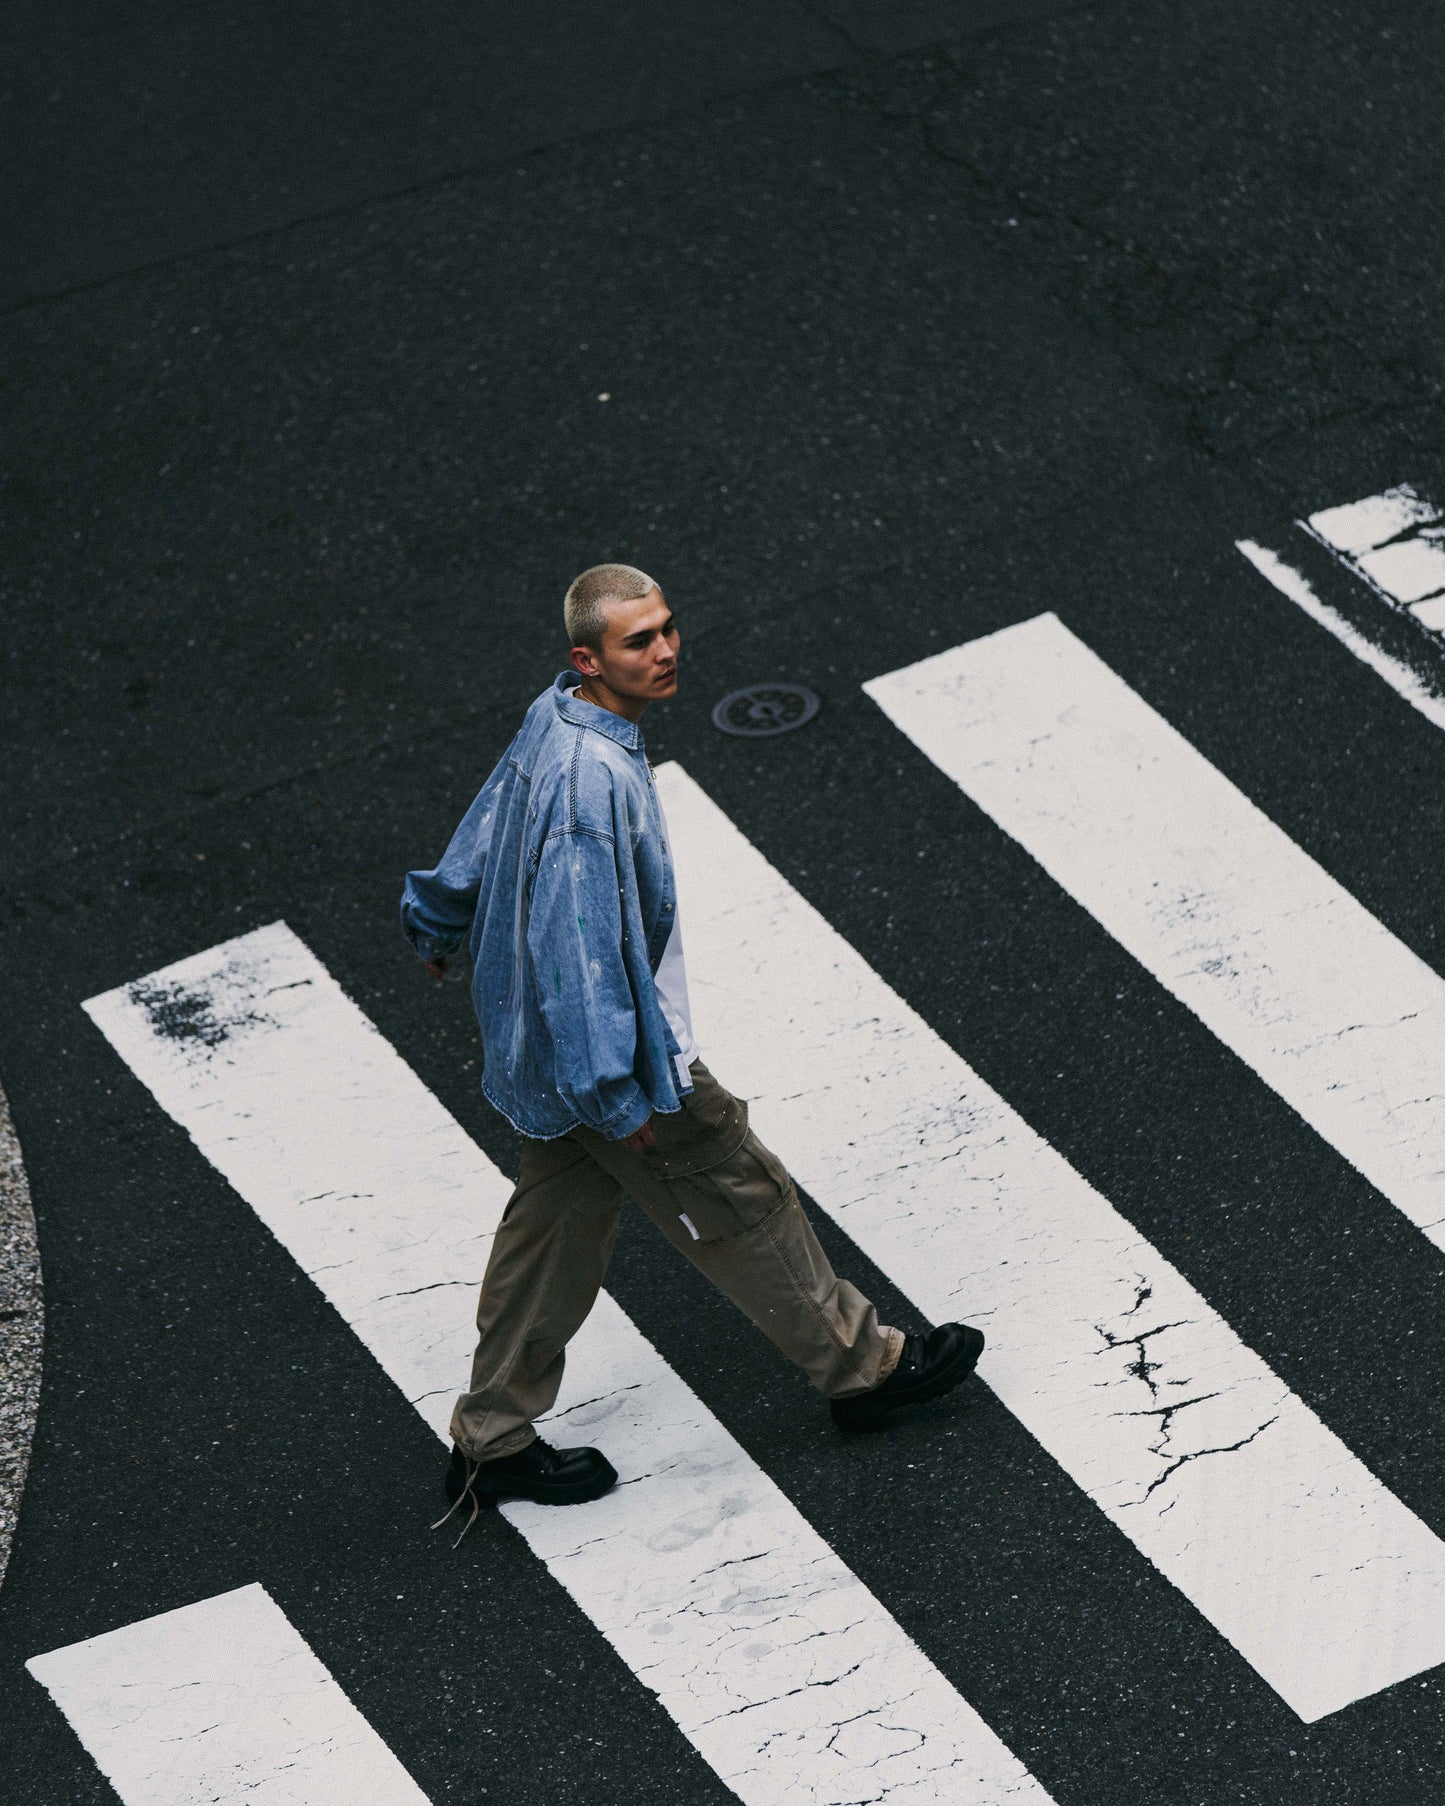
21,1325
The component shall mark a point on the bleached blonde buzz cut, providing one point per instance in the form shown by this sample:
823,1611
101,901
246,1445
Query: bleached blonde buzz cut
585,607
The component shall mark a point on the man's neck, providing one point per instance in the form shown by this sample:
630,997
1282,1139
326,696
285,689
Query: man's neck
631,708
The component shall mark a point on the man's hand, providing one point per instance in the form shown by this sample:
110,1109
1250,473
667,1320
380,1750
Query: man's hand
437,968
640,1138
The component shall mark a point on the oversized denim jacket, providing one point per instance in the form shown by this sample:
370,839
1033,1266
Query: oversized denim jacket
559,879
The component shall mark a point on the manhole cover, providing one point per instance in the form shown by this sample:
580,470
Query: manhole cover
764,709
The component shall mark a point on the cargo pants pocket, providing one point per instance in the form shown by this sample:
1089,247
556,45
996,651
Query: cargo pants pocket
718,1179
743,1189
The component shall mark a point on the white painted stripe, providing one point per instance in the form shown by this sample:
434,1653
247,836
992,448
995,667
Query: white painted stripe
1181,1434
777,1663
1409,570
223,1702
1390,541
1398,675
1281,962
1361,526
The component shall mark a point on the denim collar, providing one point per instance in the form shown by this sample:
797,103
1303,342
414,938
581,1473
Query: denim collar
582,713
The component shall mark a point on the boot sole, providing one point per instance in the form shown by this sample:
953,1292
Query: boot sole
863,1418
577,1492
574,1492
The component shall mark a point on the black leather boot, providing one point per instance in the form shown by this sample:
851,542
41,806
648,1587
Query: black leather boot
538,1472
928,1367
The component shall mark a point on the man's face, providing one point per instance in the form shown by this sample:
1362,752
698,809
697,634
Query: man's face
638,654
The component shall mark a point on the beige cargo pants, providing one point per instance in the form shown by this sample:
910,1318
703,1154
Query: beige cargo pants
716,1193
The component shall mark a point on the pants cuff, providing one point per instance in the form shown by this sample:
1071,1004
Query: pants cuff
511,1444
892,1355
892,1350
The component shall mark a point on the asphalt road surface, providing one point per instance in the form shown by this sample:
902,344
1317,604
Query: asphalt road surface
1071,378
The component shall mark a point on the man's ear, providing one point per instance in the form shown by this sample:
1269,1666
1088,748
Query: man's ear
584,659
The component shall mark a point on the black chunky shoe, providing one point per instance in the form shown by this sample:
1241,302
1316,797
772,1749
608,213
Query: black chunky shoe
928,1367
538,1472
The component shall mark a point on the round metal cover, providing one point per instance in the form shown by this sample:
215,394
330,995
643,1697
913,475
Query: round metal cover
763,709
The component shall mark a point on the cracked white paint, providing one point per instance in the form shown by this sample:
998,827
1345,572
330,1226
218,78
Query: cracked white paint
1290,582
1409,570
1219,904
225,1702
784,1671
1395,542
1200,1454
1359,527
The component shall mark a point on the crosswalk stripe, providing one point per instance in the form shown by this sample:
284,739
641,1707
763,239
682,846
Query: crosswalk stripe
697,1568
1276,958
1360,528
1394,541
1182,1435
1292,583
222,1701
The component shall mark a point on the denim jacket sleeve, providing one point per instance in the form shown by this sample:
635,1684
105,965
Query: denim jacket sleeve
437,906
575,936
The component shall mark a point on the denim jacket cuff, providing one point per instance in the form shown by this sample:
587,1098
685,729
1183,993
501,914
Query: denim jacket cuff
434,946
623,1123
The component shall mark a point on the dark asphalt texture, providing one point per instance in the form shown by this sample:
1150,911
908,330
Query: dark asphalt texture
915,320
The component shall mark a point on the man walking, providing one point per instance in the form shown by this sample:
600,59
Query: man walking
560,880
